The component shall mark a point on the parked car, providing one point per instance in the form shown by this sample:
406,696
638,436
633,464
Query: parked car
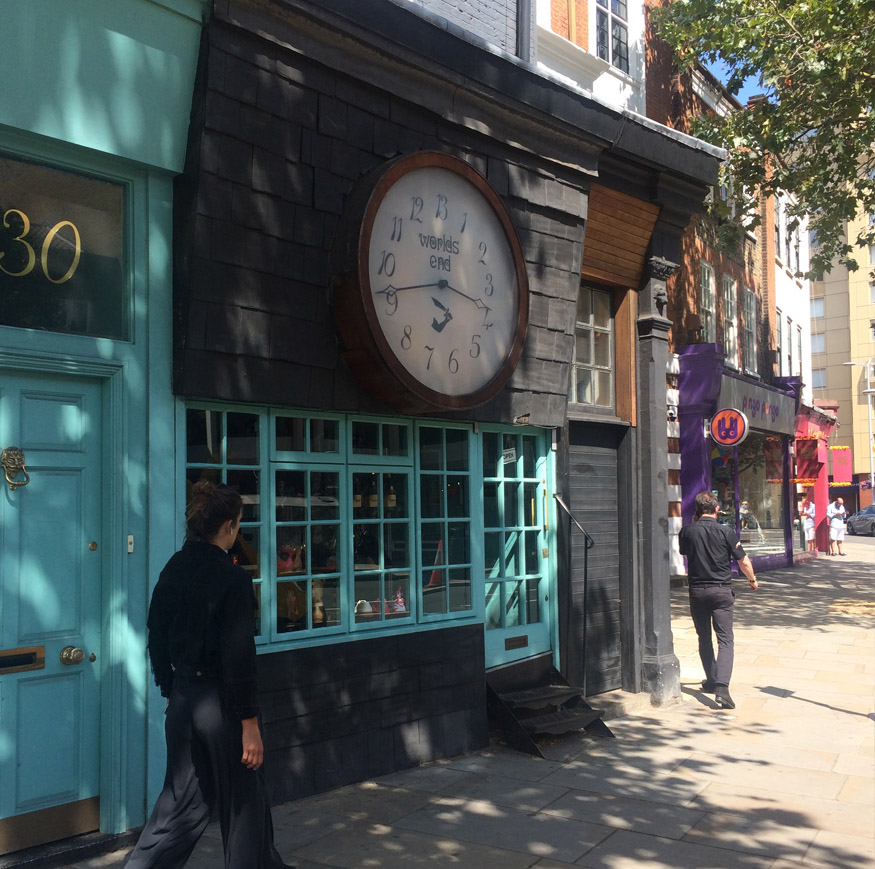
862,522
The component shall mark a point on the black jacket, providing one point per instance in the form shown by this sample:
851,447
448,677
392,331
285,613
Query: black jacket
202,621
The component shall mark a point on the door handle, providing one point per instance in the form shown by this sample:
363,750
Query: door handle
12,460
72,655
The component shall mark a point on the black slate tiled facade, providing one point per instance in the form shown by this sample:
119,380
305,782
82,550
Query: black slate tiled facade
278,142
340,714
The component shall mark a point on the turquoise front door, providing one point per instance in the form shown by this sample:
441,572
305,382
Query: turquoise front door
51,552
518,606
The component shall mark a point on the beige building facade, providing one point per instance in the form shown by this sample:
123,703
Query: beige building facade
843,359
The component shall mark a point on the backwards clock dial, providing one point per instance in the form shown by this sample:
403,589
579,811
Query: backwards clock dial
441,278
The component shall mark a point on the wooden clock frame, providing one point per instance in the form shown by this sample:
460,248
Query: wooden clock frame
363,345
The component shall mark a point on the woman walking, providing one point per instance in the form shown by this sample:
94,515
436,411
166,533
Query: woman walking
202,649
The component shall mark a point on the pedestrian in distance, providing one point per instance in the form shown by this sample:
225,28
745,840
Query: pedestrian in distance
202,649
836,513
808,516
709,548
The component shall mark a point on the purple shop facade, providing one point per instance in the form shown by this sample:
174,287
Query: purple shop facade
706,385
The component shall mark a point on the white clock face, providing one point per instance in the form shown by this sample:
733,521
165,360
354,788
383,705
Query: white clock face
443,281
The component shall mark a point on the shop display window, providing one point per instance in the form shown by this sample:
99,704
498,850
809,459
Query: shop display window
749,484
369,525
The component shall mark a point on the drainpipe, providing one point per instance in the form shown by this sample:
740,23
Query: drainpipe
524,30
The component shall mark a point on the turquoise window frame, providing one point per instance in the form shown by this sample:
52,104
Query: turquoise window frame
466,523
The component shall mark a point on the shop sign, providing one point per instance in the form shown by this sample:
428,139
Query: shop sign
728,427
765,409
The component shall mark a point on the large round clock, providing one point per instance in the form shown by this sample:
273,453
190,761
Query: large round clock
432,310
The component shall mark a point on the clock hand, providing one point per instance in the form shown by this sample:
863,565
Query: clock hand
390,289
445,285
439,327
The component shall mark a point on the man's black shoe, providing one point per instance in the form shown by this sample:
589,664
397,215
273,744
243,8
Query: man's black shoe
708,686
722,698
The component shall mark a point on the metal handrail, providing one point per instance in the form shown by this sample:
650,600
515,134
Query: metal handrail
588,544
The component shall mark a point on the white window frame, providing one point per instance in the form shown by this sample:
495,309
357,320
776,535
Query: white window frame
610,19
590,329
708,302
750,331
779,338
730,320
797,367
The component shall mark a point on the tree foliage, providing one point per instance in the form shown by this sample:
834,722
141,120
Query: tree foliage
813,133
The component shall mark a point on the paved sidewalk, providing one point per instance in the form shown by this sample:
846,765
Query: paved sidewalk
786,780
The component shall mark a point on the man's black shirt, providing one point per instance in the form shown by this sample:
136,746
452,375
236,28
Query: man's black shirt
709,546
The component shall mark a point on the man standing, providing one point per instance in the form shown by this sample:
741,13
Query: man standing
709,548
836,513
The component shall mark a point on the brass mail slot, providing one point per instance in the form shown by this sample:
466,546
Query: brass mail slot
516,643
17,660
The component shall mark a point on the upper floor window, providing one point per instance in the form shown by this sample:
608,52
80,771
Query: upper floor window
797,369
612,33
707,303
818,378
788,368
750,330
817,307
593,350
872,292
818,343
779,340
730,321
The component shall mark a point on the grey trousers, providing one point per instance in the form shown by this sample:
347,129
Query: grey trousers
205,776
712,605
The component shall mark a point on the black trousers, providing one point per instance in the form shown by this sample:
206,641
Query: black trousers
205,775
712,605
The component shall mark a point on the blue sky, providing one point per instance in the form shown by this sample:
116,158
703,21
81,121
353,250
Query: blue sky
750,88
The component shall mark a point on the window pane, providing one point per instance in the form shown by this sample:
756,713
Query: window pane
326,557
618,7
492,550
62,240
533,605
204,436
291,606
530,454
601,24
326,602
366,547
530,504
460,589
291,505
395,440
397,587
195,475
513,603
620,46
291,434
602,382
457,496
532,560
246,483
584,306
242,434
457,449
366,438
395,539
395,496
431,496
324,435
511,504
584,386
459,549
601,310
369,605
491,454
601,349
432,545
431,452
245,551
290,550
324,494
818,343
583,347
490,505
365,496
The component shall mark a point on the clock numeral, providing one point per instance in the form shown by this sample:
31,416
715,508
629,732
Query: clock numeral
387,264
453,363
489,289
391,301
474,352
482,248
430,354
440,212
397,223
406,338
464,222
416,205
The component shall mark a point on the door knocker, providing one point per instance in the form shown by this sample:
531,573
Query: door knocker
12,460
